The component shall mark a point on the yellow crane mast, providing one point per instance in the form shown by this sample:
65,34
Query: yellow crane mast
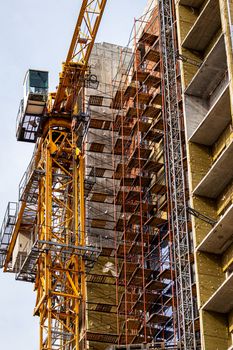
43,237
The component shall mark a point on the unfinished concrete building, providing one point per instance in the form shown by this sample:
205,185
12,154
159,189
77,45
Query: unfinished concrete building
155,254
205,47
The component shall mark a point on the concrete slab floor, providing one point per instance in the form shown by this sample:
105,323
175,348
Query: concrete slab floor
215,121
218,176
220,236
205,27
221,301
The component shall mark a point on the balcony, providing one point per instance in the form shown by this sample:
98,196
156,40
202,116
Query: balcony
218,176
192,3
221,301
215,120
221,235
210,73
205,27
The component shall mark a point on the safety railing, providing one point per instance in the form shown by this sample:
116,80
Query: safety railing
7,229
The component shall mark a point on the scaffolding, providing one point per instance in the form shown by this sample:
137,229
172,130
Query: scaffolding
154,257
146,303
174,156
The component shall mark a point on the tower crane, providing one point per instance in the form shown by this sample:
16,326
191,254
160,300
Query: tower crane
43,236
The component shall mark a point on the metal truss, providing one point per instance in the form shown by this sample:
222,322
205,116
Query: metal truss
175,177
75,67
60,279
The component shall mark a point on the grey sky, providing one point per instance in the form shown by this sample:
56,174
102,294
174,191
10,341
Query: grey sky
36,34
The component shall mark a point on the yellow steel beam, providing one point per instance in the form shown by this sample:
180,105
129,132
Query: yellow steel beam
75,66
82,196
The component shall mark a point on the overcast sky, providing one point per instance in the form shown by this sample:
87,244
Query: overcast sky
36,34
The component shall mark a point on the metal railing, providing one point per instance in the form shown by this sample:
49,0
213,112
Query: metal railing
7,229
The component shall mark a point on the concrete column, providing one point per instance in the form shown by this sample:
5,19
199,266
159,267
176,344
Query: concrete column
226,11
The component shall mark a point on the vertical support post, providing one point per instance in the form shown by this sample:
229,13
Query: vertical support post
48,225
82,202
138,144
226,12
82,237
76,233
